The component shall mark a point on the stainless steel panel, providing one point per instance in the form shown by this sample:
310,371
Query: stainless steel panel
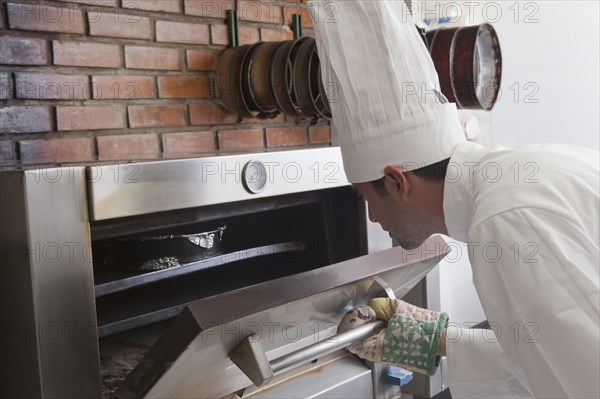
18,349
287,314
140,188
53,239
346,378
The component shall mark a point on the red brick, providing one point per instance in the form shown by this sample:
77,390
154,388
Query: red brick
28,119
87,54
156,115
275,35
180,32
120,87
57,150
184,87
104,3
124,24
165,59
291,9
211,114
189,142
286,136
6,86
259,11
246,35
320,134
93,117
131,146
43,17
208,8
240,139
153,5
18,51
7,151
202,60
42,86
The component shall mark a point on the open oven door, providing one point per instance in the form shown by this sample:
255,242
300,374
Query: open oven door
191,359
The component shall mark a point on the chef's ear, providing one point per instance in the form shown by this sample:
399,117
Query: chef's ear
397,177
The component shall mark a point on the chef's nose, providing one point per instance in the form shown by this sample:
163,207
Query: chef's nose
371,216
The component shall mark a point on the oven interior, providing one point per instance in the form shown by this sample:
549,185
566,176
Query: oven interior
263,239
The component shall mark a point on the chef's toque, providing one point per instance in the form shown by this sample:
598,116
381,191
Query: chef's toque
382,88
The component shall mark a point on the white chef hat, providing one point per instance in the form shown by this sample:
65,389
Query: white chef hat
381,84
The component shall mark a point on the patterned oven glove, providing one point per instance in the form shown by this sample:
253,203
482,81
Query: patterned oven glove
411,339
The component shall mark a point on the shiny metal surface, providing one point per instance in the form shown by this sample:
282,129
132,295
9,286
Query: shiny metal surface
250,358
140,188
381,388
326,347
345,378
287,314
47,286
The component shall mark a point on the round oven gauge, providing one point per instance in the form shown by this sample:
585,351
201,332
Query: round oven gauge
254,176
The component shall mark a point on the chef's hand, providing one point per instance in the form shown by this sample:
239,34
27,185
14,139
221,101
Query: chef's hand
411,340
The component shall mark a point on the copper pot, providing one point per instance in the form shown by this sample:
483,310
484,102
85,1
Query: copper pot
228,82
257,78
468,61
281,76
441,53
477,66
323,98
316,87
302,78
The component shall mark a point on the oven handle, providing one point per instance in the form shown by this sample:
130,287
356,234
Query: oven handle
251,359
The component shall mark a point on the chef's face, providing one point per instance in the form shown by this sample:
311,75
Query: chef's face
394,209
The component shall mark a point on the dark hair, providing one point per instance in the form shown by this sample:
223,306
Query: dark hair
379,187
432,173
435,172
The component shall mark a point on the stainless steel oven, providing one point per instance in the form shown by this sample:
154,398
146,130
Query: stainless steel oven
98,299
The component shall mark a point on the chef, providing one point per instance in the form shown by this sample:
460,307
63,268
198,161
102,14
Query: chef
529,215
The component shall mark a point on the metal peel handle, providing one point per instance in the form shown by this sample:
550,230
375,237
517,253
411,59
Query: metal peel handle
250,356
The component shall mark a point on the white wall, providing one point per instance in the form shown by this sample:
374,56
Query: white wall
553,48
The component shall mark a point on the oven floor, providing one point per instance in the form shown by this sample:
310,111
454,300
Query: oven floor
119,354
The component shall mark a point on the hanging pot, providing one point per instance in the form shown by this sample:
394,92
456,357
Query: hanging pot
302,78
441,53
247,85
429,38
228,82
316,87
476,66
256,78
281,76
324,93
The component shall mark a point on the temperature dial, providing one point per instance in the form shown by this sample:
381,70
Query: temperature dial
254,176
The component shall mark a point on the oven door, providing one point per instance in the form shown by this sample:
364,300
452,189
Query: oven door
191,359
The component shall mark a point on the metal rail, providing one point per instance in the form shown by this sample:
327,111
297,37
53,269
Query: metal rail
330,345
252,360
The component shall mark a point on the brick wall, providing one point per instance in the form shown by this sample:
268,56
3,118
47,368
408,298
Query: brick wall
82,80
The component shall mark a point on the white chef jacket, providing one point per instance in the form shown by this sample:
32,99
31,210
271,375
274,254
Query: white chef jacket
530,216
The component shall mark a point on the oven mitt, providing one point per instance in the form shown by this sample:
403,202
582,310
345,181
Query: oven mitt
411,339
